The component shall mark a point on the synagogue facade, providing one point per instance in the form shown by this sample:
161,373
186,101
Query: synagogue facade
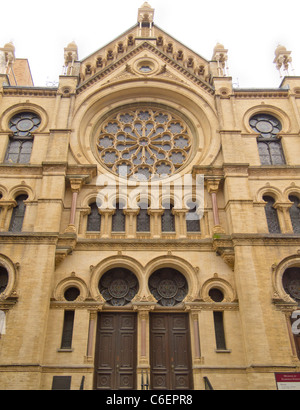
150,221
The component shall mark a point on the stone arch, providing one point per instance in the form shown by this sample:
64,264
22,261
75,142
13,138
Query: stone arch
67,283
267,109
12,270
278,270
18,108
193,106
218,283
269,190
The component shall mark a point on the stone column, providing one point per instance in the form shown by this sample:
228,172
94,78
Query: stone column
5,207
76,184
180,222
155,222
130,227
212,188
284,216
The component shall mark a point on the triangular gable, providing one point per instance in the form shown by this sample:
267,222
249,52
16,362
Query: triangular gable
173,53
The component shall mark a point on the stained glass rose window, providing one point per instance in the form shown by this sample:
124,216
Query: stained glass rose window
144,141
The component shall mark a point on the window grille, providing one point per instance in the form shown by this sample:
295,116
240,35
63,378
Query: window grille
295,213
168,221
192,219
271,215
18,214
94,219
118,219
143,219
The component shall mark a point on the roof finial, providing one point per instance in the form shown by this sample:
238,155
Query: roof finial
146,14
283,60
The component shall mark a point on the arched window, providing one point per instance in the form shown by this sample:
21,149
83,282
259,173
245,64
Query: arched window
94,219
118,219
21,142
143,218
18,214
168,220
268,142
192,218
271,215
295,213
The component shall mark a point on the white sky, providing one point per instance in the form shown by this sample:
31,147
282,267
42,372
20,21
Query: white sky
250,30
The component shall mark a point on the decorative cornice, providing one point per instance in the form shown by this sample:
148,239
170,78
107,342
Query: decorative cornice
29,91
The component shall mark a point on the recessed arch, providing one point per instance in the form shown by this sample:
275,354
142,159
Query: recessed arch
180,265
118,261
279,293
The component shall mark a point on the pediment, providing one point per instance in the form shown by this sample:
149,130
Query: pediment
170,58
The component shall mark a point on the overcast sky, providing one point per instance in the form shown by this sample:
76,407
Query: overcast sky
250,30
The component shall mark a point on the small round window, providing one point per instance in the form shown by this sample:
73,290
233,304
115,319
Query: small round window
71,294
24,123
3,279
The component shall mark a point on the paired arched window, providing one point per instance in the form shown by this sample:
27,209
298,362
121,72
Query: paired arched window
21,142
143,218
192,218
295,213
269,144
18,214
168,220
271,215
94,219
118,219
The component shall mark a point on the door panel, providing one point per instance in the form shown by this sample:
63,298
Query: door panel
170,352
115,359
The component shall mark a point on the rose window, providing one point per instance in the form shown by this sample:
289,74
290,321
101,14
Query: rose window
144,142
118,286
168,286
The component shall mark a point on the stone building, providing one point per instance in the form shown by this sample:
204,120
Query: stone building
150,221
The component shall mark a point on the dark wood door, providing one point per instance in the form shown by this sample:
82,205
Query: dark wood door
115,359
170,352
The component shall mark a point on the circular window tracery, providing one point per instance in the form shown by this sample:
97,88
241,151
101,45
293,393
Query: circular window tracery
144,142
266,125
118,286
24,123
168,286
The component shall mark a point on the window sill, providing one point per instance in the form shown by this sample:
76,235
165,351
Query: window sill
64,350
223,351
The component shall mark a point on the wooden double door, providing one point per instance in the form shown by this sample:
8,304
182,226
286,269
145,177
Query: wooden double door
170,353
116,352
